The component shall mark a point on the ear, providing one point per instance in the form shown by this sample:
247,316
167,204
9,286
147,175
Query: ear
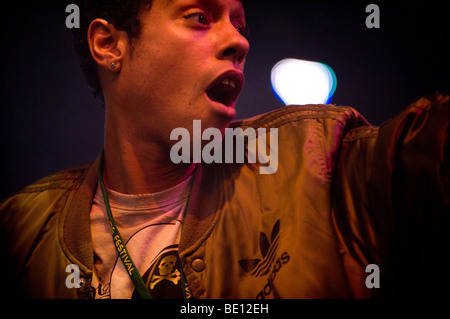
107,44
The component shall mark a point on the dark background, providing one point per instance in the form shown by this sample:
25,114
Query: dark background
49,120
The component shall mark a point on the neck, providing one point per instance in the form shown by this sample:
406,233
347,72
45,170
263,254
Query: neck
135,165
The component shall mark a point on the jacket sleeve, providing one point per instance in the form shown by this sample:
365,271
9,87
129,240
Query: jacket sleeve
391,202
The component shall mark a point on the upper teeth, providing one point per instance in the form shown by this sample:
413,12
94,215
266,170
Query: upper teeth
229,82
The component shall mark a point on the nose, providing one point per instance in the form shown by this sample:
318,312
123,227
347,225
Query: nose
232,45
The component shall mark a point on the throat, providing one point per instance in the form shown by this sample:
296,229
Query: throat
129,174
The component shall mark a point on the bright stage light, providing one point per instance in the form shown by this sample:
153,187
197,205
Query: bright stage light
303,82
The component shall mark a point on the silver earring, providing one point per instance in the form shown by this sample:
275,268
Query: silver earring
113,65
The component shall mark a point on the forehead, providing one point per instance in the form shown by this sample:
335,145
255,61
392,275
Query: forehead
234,4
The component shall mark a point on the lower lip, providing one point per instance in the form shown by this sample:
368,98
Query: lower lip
228,111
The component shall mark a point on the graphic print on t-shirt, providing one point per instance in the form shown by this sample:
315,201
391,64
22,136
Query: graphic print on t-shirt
145,247
164,277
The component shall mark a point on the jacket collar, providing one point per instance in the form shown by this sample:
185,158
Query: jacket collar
76,228
203,207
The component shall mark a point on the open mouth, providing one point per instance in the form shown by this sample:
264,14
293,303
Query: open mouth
226,88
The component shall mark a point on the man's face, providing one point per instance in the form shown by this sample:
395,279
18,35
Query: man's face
187,64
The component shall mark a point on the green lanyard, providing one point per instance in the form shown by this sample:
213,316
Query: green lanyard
133,272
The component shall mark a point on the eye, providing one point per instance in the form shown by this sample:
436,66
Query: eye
197,17
242,30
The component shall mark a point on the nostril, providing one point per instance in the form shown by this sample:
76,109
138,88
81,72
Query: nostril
241,58
233,48
229,51
233,52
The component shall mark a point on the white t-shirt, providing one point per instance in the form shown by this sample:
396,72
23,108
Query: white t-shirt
150,225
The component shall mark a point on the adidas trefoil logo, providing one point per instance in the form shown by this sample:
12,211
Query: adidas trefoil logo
270,264
261,267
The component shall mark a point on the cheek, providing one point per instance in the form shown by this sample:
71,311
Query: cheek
168,85
172,60
175,78
170,72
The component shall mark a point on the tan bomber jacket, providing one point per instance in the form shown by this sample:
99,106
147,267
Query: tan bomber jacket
346,195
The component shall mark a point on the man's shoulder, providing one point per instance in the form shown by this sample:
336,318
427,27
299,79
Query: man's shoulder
67,179
300,113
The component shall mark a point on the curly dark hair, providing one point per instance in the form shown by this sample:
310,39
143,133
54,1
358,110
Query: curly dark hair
123,14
